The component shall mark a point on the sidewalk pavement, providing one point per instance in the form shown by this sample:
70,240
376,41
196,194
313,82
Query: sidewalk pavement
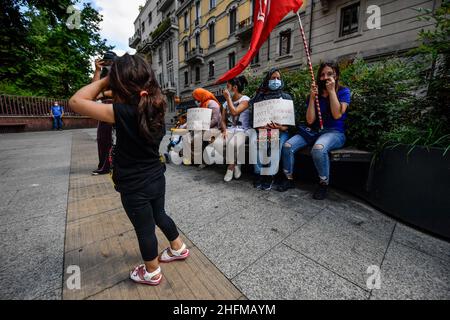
250,244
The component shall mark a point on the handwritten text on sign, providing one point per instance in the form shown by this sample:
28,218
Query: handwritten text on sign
199,118
279,111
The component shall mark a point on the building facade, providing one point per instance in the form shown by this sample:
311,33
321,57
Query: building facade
156,37
209,37
215,34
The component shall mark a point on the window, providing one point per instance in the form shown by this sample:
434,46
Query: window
285,43
349,20
197,74
211,69
143,26
231,60
233,20
212,4
197,40
186,78
197,13
268,48
160,55
160,79
149,18
211,34
185,49
186,20
169,51
171,77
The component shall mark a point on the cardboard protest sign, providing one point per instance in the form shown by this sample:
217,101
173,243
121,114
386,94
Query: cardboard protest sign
199,118
277,110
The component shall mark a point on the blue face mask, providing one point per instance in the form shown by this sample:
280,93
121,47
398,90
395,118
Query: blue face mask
274,84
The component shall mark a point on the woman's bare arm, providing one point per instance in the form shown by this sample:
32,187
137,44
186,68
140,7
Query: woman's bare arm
82,102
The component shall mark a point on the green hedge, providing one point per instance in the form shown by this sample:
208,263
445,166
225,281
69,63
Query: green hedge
389,103
396,100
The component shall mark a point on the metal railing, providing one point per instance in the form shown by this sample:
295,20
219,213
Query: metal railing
13,106
245,23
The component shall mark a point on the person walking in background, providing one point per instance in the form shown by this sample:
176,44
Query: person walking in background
57,113
138,174
104,129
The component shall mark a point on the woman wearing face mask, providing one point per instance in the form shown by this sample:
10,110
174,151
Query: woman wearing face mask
334,100
271,88
236,118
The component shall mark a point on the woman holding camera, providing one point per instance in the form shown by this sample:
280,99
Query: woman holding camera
334,100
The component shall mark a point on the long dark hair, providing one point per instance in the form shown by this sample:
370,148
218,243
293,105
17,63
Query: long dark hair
335,67
240,82
129,76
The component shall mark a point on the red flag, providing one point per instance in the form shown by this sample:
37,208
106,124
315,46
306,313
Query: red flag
267,14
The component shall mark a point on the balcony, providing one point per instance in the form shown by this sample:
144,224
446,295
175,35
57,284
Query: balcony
195,56
144,46
163,5
164,30
244,29
134,40
169,88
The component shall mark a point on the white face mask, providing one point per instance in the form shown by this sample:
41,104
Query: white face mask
197,103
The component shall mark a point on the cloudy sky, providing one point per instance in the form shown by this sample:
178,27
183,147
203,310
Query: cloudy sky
118,17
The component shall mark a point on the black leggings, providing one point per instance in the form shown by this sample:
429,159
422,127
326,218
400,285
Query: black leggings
145,209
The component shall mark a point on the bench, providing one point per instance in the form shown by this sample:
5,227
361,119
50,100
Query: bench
7,127
347,154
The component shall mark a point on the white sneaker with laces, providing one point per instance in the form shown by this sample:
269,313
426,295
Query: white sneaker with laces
237,172
228,176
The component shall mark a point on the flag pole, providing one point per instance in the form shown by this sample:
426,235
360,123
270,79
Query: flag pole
308,56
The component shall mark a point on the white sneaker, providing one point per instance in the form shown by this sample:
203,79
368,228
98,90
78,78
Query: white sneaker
237,172
228,176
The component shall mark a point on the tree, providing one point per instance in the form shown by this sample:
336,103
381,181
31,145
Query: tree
48,58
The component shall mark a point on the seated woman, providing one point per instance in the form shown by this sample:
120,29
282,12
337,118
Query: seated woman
334,100
205,99
236,119
271,88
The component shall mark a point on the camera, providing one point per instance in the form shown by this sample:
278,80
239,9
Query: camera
107,61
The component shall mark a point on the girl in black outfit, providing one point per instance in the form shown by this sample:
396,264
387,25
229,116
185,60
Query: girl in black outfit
138,113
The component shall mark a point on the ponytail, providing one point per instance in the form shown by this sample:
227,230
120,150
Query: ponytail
240,82
151,109
133,82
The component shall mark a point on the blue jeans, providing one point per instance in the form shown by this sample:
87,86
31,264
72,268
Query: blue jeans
57,122
274,165
328,140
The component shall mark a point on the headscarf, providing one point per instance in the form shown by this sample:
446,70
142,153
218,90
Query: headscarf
264,93
204,96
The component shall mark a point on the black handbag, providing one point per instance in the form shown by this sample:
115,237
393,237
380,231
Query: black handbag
308,134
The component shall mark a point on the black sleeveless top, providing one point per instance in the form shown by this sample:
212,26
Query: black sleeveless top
136,162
